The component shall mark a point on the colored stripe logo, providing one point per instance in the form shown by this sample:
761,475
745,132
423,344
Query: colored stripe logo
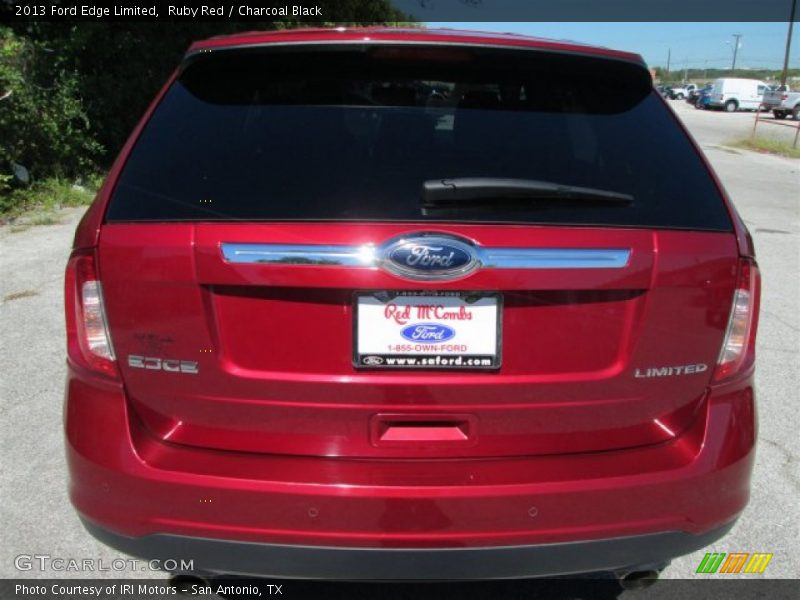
734,562
710,562
758,563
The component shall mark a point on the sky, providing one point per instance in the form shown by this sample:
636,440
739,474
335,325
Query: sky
692,45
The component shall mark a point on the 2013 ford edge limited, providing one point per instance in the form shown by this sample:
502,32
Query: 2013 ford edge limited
389,304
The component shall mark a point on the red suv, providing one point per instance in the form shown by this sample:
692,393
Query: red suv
387,303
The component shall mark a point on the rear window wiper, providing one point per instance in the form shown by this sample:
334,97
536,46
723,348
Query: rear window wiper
493,190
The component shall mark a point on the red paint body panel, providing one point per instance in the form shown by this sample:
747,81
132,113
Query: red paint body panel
377,35
130,482
279,439
275,341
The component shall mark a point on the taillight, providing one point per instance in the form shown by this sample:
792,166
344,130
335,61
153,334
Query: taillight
738,347
88,340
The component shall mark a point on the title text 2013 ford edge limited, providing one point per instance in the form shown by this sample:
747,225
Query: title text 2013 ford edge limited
387,304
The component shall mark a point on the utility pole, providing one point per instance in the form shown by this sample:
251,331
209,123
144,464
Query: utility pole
686,69
669,55
788,44
735,49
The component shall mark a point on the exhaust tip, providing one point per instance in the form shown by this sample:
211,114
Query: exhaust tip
638,580
183,582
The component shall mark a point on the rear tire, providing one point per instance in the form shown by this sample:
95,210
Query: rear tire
778,114
796,113
731,106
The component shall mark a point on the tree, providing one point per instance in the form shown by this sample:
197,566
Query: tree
43,124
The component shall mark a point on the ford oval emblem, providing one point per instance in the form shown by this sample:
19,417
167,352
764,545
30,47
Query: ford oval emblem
428,332
430,256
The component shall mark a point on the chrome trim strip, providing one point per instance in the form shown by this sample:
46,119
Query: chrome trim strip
553,258
294,254
369,256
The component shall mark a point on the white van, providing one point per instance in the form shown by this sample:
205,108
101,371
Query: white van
737,94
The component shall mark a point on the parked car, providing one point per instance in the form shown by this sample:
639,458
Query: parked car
683,91
703,99
315,329
663,90
695,94
732,94
783,102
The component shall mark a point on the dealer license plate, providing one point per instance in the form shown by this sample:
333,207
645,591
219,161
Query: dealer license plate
427,330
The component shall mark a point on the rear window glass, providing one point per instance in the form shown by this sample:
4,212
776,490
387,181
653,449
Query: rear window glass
353,133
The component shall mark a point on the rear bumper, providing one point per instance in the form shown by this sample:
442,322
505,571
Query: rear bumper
213,556
337,518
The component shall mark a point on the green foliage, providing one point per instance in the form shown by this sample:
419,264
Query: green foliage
77,89
48,194
767,146
43,125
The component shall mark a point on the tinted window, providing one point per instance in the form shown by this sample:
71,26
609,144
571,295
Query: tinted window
352,134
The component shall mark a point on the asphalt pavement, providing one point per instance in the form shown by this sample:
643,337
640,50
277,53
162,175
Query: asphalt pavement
717,127
35,514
